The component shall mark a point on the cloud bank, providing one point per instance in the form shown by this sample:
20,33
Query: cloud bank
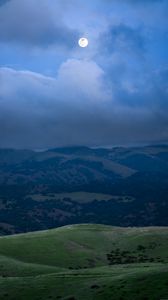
74,108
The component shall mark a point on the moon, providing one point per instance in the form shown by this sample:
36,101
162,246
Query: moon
83,42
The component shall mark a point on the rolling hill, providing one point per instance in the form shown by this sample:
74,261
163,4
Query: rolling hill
118,186
85,262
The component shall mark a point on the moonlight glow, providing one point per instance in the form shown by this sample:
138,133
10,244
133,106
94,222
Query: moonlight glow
83,42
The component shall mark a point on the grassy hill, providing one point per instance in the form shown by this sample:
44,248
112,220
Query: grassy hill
85,262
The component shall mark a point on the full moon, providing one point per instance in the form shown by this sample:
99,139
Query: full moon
83,42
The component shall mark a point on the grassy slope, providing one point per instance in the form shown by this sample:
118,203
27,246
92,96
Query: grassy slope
72,261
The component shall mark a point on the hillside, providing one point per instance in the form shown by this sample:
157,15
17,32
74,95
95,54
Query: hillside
118,186
85,262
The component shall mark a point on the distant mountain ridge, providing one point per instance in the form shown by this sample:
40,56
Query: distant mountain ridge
139,173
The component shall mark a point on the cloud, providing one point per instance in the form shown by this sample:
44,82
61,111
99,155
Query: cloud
113,92
35,24
76,108
123,38
39,110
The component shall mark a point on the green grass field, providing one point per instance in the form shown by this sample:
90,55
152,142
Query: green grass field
85,262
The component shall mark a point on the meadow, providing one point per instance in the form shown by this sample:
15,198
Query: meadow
85,261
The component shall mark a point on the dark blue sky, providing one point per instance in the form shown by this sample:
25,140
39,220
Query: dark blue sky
54,93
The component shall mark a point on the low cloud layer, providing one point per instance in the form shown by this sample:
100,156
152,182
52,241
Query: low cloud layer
74,108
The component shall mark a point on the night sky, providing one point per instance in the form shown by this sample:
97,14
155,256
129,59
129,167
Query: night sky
54,93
